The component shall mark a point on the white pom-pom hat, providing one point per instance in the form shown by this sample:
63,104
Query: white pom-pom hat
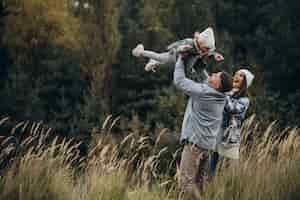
249,76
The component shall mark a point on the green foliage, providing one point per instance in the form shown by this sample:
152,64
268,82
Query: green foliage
267,36
107,20
192,16
98,55
70,66
43,79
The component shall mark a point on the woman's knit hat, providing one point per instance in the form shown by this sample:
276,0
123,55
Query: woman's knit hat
249,76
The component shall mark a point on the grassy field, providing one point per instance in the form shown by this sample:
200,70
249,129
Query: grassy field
37,165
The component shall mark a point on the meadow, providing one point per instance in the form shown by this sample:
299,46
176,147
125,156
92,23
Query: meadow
35,164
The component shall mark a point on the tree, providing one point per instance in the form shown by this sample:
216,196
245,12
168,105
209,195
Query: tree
266,37
43,80
107,19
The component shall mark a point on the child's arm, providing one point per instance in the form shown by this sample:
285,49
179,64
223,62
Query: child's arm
185,47
176,44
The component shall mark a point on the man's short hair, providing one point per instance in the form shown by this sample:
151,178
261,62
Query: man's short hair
226,82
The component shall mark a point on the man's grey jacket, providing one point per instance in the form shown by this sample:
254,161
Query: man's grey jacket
203,114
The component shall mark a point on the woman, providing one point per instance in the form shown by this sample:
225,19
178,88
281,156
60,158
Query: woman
237,103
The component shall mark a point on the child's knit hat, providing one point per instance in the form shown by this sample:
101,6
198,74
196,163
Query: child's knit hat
208,38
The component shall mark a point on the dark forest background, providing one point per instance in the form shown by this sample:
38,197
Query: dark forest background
69,64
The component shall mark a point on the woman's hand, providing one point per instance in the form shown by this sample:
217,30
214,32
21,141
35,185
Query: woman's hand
218,57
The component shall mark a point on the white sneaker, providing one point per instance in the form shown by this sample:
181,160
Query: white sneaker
151,65
138,50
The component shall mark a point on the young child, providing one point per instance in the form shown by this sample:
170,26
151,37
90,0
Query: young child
193,50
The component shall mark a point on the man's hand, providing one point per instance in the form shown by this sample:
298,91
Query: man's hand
184,48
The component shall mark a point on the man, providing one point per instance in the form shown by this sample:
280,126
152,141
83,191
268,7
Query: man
202,120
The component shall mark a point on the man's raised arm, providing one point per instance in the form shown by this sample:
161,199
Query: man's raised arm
187,86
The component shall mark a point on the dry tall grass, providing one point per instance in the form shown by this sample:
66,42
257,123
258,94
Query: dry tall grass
36,165
269,167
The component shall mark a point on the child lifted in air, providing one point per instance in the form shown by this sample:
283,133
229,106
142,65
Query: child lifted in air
194,50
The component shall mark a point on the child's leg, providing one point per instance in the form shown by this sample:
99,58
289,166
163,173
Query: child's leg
162,58
155,59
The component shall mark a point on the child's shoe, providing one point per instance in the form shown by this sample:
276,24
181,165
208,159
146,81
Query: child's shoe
151,65
138,50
